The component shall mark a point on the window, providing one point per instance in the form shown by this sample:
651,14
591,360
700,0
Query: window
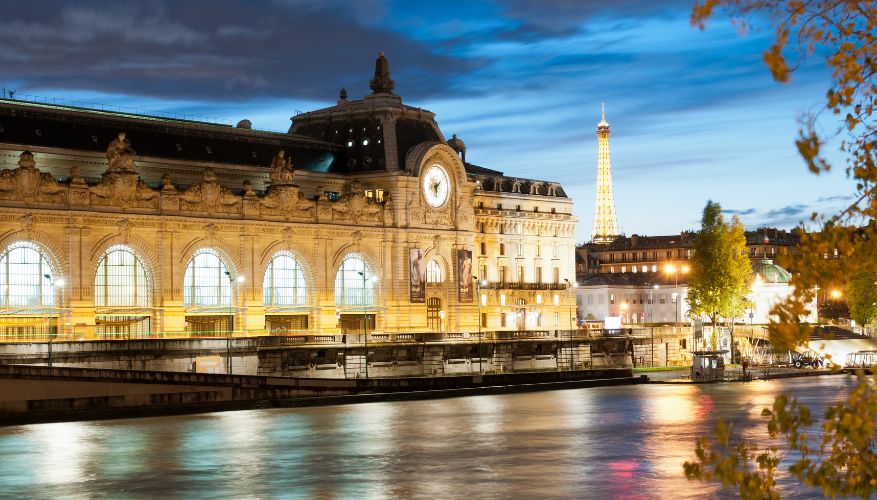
284,283
555,249
520,249
352,288
483,248
433,272
502,274
557,275
623,269
538,250
121,280
645,269
556,318
520,274
611,298
483,320
539,275
502,248
483,270
502,319
22,276
433,314
205,282
590,300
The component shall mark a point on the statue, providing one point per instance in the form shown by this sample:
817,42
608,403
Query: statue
120,155
281,169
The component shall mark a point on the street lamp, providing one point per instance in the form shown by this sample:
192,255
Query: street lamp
240,279
670,268
55,284
570,286
365,317
478,284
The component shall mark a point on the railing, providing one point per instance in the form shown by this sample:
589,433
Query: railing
505,285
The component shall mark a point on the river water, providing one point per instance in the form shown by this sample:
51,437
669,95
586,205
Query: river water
609,442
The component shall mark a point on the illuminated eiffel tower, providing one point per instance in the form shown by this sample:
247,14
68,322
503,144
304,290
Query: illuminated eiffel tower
605,223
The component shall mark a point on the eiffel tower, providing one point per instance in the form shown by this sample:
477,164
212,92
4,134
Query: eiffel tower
605,223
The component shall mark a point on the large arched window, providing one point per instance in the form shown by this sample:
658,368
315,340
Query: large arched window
121,280
433,272
284,283
351,287
206,282
23,282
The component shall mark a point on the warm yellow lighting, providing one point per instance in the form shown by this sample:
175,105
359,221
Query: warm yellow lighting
685,269
502,299
835,294
483,299
241,278
757,283
624,306
539,298
670,268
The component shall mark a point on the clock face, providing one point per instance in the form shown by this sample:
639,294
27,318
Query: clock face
436,186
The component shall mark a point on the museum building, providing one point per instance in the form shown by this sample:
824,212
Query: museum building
362,215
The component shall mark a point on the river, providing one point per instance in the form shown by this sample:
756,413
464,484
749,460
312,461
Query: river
609,442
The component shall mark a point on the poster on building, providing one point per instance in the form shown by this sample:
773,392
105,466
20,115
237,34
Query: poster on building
417,277
464,276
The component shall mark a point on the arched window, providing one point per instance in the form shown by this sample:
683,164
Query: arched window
351,287
23,282
284,283
205,282
433,272
121,280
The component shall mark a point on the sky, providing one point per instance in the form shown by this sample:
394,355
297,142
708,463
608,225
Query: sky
695,115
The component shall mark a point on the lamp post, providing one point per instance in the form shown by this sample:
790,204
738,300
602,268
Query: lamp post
478,284
54,284
240,279
365,318
652,314
572,323
670,268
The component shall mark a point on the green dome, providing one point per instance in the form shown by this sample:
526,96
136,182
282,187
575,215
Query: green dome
770,272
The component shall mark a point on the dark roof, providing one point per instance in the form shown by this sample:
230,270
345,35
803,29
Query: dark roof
66,127
633,279
473,169
772,236
636,242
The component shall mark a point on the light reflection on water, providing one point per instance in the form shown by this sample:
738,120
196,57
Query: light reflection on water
610,442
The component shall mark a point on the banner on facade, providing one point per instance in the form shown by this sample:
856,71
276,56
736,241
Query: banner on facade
464,276
416,276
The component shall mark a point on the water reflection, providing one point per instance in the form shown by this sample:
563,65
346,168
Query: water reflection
612,442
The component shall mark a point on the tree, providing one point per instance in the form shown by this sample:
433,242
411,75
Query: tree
861,293
720,269
845,462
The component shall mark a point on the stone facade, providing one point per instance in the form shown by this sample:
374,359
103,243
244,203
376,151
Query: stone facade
74,203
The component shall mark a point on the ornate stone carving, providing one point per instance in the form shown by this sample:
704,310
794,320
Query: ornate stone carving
287,201
124,190
27,184
281,169
78,187
120,155
534,187
124,229
552,189
516,186
355,206
210,197
27,222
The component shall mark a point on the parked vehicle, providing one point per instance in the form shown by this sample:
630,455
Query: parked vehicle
807,358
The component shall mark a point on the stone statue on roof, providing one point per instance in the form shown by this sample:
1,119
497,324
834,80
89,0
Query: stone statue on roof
120,155
281,169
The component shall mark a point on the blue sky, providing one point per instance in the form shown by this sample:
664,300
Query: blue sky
694,114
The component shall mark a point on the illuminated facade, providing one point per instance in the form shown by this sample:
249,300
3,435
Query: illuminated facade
361,210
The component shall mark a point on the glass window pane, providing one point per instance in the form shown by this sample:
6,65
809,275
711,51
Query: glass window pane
284,283
121,280
205,282
22,276
351,288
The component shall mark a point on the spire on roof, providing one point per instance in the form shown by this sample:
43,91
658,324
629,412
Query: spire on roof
382,83
603,122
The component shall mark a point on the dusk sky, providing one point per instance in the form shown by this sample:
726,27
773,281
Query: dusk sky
695,114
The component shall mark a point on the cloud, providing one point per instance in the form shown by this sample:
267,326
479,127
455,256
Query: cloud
746,211
211,50
839,197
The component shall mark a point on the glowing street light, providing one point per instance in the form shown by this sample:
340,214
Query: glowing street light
478,284
836,294
240,279
55,284
672,269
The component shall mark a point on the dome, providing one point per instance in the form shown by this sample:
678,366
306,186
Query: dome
770,272
247,124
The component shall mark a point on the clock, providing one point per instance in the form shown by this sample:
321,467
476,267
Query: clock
436,186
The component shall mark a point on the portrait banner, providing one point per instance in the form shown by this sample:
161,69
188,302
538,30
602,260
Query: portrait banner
464,276
416,277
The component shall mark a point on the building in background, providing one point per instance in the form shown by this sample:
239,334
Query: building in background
362,216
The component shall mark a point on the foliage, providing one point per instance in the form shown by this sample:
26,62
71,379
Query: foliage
843,462
720,269
861,293
845,31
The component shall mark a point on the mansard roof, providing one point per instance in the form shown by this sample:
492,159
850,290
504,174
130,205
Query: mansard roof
67,127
